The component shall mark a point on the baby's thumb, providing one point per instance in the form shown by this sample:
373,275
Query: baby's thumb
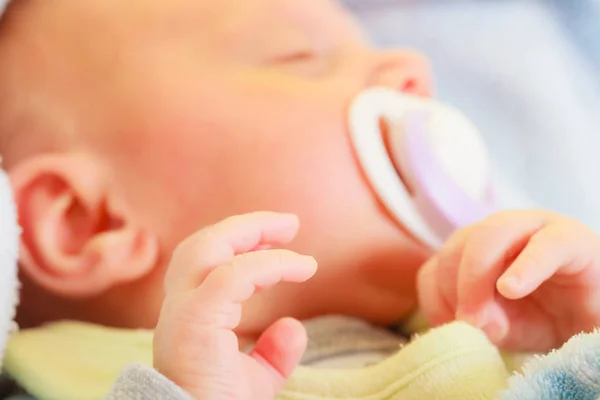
279,351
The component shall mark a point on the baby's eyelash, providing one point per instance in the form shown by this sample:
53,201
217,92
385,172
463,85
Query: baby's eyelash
305,62
297,56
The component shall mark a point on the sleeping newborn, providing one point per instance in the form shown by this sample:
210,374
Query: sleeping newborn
175,147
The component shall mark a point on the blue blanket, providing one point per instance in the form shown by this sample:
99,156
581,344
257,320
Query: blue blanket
571,373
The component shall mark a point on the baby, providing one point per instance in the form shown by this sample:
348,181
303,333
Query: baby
126,127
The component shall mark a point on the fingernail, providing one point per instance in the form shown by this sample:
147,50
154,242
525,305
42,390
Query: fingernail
311,260
509,282
286,218
478,319
509,286
495,332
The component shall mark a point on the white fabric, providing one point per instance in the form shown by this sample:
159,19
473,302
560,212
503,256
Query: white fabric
9,248
526,72
9,253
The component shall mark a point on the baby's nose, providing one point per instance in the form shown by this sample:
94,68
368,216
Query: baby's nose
405,71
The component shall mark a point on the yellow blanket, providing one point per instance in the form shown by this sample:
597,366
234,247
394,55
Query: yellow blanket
75,361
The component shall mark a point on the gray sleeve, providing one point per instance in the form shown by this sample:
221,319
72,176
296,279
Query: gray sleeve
138,382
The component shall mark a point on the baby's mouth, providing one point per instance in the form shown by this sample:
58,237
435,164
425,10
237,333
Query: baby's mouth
425,161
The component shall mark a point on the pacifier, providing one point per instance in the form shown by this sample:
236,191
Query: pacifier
429,166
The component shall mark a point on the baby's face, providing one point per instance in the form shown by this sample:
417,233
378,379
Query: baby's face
206,109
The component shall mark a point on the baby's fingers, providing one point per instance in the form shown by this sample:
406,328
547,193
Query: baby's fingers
218,301
565,248
198,255
490,248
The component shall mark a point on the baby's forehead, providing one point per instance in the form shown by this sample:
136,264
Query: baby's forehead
93,37
245,16
205,20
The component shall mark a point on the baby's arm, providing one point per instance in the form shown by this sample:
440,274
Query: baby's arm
212,273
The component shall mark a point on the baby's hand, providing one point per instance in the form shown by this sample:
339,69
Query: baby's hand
530,279
211,274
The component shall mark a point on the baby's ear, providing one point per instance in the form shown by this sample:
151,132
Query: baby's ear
75,241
